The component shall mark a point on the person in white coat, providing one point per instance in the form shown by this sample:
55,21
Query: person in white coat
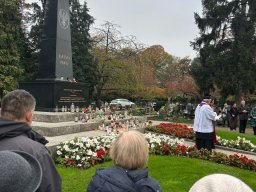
204,124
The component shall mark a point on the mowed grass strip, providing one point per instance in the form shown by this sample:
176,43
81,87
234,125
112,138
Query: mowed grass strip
230,135
173,173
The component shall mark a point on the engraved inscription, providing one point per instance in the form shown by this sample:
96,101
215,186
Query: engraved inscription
63,18
64,59
72,95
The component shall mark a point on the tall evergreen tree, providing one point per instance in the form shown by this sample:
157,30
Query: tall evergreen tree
24,43
33,40
227,45
83,64
10,22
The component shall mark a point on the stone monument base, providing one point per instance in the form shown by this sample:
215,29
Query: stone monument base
52,94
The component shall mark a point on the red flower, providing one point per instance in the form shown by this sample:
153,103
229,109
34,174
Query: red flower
70,161
100,153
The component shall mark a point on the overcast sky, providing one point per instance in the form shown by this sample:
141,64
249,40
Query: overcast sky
169,23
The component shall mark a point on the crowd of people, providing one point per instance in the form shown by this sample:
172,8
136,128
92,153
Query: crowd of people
239,116
206,117
26,164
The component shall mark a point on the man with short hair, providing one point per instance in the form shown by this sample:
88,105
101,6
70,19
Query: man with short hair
204,124
16,134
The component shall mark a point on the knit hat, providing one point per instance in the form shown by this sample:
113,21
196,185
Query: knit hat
19,172
220,183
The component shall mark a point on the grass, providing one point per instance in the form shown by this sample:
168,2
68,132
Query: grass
176,119
172,173
229,135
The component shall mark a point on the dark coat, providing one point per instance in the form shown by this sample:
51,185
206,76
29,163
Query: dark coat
233,112
116,179
243,115
19,136
253,117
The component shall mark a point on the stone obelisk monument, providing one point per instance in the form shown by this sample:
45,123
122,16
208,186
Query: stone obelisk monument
56,58
53,86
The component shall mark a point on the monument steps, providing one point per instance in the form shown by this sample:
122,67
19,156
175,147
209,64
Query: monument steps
63,128
54,123
59,127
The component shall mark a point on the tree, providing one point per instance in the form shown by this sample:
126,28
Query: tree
117,58
227,46
85,68
157,64
10,23
24,44
32,20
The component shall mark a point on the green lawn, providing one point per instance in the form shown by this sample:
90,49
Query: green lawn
229,135
176,120
173,173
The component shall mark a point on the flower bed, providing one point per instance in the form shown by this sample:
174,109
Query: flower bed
174,129
86,152
239,143
182,131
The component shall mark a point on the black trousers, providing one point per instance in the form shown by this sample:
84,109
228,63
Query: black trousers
254,130
242,126
205,140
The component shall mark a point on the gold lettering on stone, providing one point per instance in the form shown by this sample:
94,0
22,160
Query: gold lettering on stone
64,59
72,95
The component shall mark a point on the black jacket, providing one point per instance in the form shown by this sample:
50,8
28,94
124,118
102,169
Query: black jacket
19,136
116,179
233,112
243,115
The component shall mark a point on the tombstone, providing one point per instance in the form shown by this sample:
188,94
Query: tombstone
54,86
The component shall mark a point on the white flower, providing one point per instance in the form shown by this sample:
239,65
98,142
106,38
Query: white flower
87,145
84,139
89,152
59,152
66,148
78,157
81,145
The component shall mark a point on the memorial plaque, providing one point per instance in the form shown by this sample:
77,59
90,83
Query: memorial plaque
50,94
53,86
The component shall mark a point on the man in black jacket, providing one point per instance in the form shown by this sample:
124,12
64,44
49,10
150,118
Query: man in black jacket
16,134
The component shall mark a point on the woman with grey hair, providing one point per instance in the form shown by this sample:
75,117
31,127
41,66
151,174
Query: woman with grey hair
220,183
129,152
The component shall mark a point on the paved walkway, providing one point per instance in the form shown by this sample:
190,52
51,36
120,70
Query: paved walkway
53,141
